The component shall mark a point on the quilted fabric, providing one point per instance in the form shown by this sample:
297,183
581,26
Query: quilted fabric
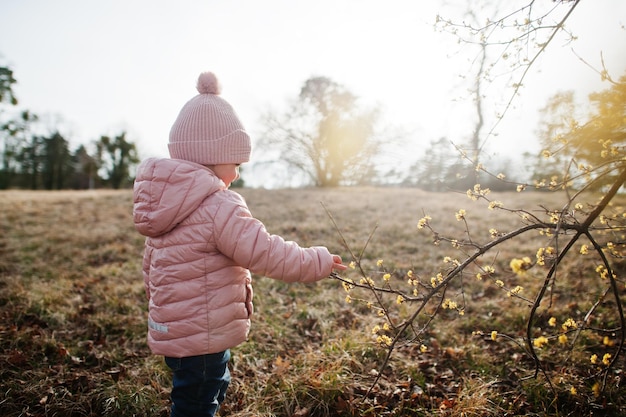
201,245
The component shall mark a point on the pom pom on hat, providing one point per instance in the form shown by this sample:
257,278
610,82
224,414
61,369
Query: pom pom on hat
207,130
208,84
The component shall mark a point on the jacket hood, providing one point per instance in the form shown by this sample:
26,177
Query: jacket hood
167,191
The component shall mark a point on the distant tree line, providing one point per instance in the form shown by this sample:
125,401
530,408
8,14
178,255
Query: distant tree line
326,139
46,161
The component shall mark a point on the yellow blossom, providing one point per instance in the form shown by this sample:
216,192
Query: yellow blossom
500,176
594,359
569,324
379,263
495,204
476,192
448,303
375,329
540,255
546,232
367,281
384,340
423,348
607,341
596,389
499,283
481,191
584,249
521,187
471,195
573,391
612,248
562,339
399,299
552,321
604,273
541,260
494,335
460,215
606,359
409,274
348,299
423,222
493,233
520,266
540,342
386,277
518,289
554,181
450,260
352,265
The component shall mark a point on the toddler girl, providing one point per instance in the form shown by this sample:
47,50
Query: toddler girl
201,244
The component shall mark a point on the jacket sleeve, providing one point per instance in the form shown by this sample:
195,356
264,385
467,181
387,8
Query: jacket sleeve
245,240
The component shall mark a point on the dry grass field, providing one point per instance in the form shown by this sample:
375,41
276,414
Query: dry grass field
73,314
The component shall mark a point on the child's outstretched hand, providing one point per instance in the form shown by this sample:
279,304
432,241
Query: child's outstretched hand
337,263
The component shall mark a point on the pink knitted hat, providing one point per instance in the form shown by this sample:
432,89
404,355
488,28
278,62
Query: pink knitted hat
207,130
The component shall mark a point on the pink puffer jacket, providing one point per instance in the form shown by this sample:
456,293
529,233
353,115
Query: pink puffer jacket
201,245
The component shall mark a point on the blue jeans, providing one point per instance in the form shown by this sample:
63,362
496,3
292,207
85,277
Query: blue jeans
199,384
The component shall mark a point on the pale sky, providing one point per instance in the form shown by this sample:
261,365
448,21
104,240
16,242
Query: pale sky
102,67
